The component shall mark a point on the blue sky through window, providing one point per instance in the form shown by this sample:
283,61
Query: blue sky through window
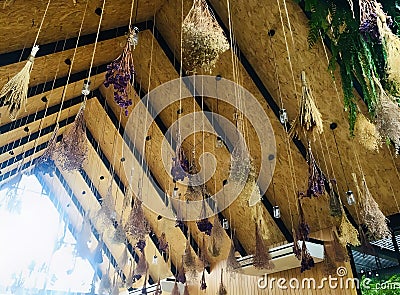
37,250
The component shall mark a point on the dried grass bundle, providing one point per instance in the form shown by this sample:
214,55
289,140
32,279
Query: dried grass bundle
251,190
348,234
45,163
329,263
240,164
232,265
119,236
194,193
137,226
262,259
391,43
162,243
141,266
334,204
175,289
371,215
203,38
72,151
189,261
366,246
181,276
204,225
222,290
367,133
388,117
105,287
309,118
15,93
340,252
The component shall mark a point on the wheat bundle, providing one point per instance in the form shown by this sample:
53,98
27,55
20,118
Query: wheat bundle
388,117
367,133
232,265
371,215
203,38
137,225
309,118
262,259
15,93
72,151
348,234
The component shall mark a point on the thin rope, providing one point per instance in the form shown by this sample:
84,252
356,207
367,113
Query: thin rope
131,15
41,23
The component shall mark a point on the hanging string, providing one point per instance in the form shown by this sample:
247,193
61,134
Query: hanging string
41,23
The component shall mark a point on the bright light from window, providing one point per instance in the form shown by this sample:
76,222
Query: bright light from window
37,251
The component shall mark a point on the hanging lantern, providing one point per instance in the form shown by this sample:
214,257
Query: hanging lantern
350,198
219,142
225,223
155,259
85,88
277,212
283,117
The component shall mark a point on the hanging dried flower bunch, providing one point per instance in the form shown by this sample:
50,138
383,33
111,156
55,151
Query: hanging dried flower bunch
262,259
303,229
348,234
204,225
141,266
193,193
106,215
45,163
335,207
105,287
369,28
217,235
158,288
329,264
388,116
366,246
232,265
203,284
98,253
137,225
181,276
307,262
251,190
367,133
240,164
180,165
15,93
189,261
141,244
309,117
123,259
203,38
144,287
175,289
72,151
186,290
371,215
119,235
316,180
120,73
84,237
162,243
222,289
296,247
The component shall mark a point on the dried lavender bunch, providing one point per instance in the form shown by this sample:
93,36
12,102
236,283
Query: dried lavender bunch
369,14
180,165
303,229
137,225
203,38
307,262
296,247
335,207
262,259
204,225
120,73
316,180
72,151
